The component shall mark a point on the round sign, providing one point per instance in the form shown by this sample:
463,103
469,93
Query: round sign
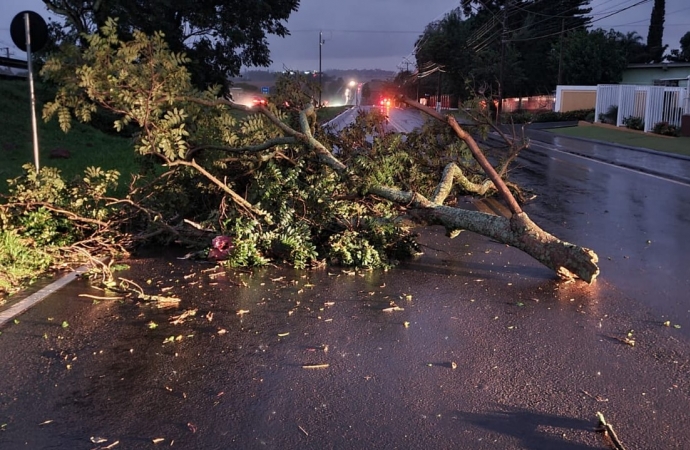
38,31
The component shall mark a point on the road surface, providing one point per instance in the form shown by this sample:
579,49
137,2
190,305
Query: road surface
473,345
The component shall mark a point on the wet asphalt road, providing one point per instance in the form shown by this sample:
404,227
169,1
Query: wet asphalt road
534,358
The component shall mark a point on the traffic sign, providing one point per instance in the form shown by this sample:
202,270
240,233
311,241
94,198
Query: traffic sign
264,90
38,31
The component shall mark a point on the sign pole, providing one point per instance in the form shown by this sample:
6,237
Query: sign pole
34,125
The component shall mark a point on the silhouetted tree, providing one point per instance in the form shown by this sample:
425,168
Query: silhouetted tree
219,36
682,54
655,36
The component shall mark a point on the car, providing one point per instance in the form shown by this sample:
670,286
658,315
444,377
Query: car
385,103
258,101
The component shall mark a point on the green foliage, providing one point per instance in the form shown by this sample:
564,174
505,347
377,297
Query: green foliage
482,39
21,260
352,249
294,209
634,123
41,207
568,116
666,129
140,83
248,240
519,117
592,57
655,36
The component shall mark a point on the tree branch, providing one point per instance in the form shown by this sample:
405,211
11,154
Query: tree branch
236,197
306,137
453,174
246,149
476,152
566,259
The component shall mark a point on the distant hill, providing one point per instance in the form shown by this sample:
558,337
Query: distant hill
361,75
266,77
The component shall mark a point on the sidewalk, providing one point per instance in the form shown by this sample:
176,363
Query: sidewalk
665,165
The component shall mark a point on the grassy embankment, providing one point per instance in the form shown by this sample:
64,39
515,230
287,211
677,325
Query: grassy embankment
86,145
677,145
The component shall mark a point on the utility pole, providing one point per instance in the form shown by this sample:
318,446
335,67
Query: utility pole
321,42
560,55
499,107
438,91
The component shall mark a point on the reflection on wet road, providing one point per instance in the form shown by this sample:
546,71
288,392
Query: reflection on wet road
637,223
473,345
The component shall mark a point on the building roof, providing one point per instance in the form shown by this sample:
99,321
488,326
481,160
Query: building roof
664,65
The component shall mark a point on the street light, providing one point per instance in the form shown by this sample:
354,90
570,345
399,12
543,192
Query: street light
321,42
352,89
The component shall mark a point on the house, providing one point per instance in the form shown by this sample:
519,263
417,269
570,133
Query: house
662,74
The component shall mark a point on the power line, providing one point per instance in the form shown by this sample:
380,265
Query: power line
580,26
377,31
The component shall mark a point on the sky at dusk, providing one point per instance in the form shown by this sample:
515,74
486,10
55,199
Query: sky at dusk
380,34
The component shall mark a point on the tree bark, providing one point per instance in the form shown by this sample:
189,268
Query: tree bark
567,260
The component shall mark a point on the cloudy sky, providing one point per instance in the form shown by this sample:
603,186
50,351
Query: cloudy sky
380,34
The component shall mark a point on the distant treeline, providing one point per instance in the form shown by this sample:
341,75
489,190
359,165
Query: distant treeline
360,75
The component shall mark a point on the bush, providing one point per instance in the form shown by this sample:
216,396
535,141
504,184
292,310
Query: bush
519,116
551,116
611,116
634,123
666,129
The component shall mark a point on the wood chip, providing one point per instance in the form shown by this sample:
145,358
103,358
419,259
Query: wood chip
315,366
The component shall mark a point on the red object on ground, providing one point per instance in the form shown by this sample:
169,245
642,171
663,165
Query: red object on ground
221,247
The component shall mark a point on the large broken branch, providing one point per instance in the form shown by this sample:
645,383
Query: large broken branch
566,259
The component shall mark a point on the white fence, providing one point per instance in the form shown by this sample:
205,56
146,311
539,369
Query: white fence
652,104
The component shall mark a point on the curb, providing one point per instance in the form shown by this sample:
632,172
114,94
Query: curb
23,305
614,144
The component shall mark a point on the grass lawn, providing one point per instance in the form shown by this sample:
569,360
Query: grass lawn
679,145
330,112
87,146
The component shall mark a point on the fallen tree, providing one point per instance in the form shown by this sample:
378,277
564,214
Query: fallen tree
271,178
